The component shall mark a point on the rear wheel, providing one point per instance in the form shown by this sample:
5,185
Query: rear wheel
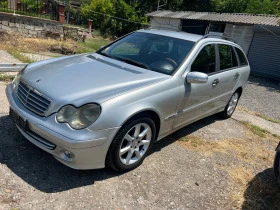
229,109
131,145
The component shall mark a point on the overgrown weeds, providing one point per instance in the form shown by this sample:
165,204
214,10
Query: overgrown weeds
15,44
6,78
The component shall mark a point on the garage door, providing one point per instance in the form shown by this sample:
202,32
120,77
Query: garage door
264,54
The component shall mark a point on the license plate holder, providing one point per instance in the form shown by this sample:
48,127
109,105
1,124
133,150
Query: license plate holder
18,120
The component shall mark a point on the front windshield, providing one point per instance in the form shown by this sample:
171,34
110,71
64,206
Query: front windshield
150,51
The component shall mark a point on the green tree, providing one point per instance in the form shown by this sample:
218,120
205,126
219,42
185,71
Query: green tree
113,16
246,6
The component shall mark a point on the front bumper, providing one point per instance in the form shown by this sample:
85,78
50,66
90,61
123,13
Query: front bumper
87,148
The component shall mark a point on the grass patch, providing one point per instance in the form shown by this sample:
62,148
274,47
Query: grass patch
248,161
276,136
19,56
268,118
256,129
6,78
258,114
192,141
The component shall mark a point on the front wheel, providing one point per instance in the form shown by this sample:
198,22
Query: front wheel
229,109
131,145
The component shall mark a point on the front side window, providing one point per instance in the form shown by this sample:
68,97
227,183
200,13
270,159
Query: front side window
205,61
227,57
154,52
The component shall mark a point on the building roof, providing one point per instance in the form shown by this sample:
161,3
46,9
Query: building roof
270,20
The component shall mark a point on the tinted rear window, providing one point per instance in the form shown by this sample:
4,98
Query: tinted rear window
242,58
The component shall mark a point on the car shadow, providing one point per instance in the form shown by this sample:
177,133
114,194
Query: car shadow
42,171
38,168
187,130
263,192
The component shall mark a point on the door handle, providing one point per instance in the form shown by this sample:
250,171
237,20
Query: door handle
215,82
236,75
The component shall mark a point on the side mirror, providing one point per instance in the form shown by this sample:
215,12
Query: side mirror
197,77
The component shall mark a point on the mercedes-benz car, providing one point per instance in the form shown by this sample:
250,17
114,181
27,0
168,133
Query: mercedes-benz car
108,108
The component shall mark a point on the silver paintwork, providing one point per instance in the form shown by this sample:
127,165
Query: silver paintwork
122,90
197,77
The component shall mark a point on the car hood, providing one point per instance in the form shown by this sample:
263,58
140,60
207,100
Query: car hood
86,78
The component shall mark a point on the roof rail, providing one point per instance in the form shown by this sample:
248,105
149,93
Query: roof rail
218,36
168,27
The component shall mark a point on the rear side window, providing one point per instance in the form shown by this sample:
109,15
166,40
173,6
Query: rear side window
205,61
227,57
242,58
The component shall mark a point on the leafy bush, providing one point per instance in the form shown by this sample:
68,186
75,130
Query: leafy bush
3,4
102,12
32,5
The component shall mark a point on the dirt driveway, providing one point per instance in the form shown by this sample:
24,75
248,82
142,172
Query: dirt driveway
211,164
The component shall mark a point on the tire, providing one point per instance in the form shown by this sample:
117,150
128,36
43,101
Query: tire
129,147
227,113
277,165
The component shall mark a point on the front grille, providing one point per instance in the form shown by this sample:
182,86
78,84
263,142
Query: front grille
32,99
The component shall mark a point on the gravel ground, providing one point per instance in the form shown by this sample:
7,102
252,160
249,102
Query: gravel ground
171,177
263,96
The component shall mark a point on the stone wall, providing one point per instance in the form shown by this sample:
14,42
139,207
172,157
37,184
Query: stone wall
241,34
30,26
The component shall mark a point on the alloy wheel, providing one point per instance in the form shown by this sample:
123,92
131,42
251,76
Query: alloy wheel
135,143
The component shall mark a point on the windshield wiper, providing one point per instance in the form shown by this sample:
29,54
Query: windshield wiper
126,60
136,63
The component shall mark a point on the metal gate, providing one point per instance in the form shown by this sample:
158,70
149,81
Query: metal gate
264,54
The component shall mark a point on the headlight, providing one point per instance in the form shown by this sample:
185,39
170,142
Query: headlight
79,118
18,76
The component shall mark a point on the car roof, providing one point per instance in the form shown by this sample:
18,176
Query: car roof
187,36
175,34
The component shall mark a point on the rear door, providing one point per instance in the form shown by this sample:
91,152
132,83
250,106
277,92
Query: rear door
227,73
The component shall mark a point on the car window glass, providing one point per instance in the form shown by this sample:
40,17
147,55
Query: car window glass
205,61
153,52
234,58
225,56
241,56
127,48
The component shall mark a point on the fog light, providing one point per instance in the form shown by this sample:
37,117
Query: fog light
68,154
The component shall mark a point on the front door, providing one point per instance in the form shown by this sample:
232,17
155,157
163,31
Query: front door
198,100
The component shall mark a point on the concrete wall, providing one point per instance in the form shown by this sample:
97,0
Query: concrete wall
165,23
241,34
30,26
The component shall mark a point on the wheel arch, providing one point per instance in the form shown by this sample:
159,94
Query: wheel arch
239,90
148,112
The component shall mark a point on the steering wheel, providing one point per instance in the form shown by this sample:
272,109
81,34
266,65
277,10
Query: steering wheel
172,62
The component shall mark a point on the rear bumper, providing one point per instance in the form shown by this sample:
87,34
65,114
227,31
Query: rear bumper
86,149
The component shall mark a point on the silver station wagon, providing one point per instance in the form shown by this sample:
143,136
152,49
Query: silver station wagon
109,107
